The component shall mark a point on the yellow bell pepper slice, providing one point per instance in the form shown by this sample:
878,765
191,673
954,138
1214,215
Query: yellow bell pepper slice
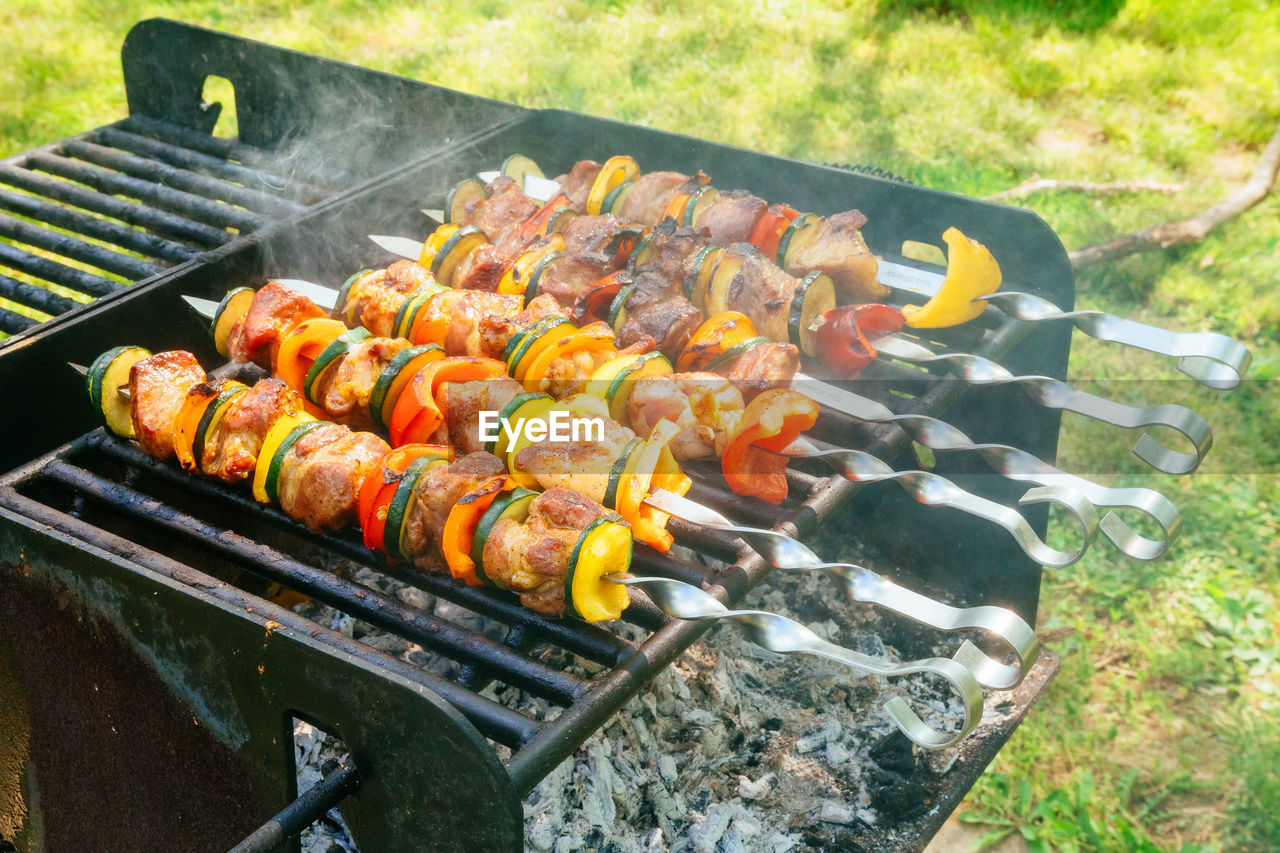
971,273
604,548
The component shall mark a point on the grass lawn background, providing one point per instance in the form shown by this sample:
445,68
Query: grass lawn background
1162,732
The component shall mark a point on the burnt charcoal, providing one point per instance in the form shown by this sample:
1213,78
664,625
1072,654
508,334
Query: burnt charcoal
772,724
896,754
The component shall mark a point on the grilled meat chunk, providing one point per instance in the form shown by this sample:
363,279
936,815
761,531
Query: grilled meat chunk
321,474
483,268
374,300
705,406
592,234
274,312
345,387
761,291
656,309
840,252
648,199
436,493
763,367
577,184
496,329
566,277
582,466
158,386
731,217
463,403
531,557
670,250
505,209
231,452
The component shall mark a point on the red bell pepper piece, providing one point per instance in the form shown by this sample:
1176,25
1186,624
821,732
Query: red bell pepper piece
771,421
847,335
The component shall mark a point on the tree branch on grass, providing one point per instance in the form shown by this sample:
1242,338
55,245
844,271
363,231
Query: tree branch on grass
1036,184
1193,230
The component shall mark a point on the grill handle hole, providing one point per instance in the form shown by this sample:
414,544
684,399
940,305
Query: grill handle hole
218,98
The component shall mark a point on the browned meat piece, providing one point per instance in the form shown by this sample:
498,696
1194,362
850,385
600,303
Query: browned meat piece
483,268
569,275
531,557
731,217
581,466
591,234
671,249
158,385
761,291
656,309
274,312
231,452
648,199
496,329
373,302
705,406
763,367
463,403
406,276
505,208
322,472
467,314
577,184
345,387
840,252
569,374
437,491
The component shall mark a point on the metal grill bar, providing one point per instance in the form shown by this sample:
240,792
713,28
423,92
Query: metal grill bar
586,641
91,226
457,643
70,247
13,322
227,149
191,182
56,272
114,183
216,167
35,297
106,204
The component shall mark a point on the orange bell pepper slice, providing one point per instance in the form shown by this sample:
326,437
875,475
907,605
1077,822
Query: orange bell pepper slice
719,333
515,280
300,348
379,486
651,466
536,225
556,345
187,423
431,326
418,414
460,527
769,423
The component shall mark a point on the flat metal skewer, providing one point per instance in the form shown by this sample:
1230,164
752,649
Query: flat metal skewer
786,636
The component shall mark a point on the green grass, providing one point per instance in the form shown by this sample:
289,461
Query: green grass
1161,733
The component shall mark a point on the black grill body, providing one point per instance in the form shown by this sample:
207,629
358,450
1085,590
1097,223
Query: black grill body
158,561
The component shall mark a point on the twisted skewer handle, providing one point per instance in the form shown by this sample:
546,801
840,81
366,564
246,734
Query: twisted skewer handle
786,636
1056,394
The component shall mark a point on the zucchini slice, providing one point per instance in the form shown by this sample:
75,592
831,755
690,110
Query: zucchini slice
406,495
603,548
513,405
618,308
285,440
615,473
644,366
386,390
814,296
727,267
704,197
531,289
699,276
212,416
734,351
517,167
108,374
613,201
641,254
455,204
532,410
513,505
802,231
461,243
232,307
340,311
527,338
408,310
329,357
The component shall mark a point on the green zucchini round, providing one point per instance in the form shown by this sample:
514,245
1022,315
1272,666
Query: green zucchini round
618,308
107,375
378,396
338,347
734,351
534,332
277,459
615,472
211,417
513,505
398,509
340,306
531,289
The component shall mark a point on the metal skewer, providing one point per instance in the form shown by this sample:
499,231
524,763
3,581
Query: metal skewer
861,467
862,584
786,636
1056,394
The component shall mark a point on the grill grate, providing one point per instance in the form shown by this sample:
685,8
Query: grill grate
85,217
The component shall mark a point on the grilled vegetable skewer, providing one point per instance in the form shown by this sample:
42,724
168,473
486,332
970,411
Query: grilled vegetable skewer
682,398
434,510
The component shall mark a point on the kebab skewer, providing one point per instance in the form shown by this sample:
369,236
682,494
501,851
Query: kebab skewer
709,410
323,483
743,276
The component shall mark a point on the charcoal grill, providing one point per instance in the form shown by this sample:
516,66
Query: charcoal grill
159,579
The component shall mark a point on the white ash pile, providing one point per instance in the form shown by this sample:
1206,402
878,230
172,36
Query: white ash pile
732,748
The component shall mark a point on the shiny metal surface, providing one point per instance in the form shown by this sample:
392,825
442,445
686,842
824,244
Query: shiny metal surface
862,584
785,636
